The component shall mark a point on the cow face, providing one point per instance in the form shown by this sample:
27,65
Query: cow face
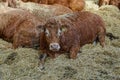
52,33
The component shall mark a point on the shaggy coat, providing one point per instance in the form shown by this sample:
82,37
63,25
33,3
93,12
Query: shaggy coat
109,2
69,32
20,28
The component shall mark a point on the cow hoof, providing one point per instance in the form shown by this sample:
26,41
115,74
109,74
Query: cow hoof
79,54
94,43
41,68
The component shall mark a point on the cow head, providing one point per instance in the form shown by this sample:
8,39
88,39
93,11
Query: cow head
52,33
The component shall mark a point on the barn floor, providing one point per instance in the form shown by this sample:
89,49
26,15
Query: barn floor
94,63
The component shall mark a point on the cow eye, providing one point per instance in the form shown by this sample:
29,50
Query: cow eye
47,32
59,32
63,28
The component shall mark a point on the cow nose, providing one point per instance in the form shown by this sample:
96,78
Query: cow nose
54,46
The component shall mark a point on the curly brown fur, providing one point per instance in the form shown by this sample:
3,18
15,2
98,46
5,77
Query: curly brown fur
20,27
77,29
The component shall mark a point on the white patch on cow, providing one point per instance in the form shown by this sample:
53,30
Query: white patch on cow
47,32
59,32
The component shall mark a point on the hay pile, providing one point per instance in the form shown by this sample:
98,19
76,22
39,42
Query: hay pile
91,5
94,63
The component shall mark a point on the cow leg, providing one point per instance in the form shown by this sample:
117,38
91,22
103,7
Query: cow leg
51,55
16,42
14,45
42,58
56,55
73,51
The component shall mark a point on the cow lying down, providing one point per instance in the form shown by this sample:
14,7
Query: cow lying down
69,32
20,27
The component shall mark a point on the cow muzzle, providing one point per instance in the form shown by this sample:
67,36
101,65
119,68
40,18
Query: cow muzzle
54,47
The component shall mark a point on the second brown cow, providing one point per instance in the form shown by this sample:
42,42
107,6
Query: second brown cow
69,32
75,5
20,27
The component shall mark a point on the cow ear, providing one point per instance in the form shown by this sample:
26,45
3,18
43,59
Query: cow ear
63,28
41,28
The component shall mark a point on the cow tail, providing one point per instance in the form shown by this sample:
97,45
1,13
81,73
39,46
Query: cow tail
111,36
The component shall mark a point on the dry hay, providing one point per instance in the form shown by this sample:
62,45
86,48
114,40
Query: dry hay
94,63
91,5
111,16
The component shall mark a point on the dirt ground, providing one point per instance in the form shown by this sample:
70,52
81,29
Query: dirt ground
93,63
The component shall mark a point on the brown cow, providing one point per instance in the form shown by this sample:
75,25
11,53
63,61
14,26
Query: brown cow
109,2
75,5
69,32
20,27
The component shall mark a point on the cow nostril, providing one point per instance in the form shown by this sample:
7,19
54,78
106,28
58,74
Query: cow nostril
57,46
51,46
54,46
